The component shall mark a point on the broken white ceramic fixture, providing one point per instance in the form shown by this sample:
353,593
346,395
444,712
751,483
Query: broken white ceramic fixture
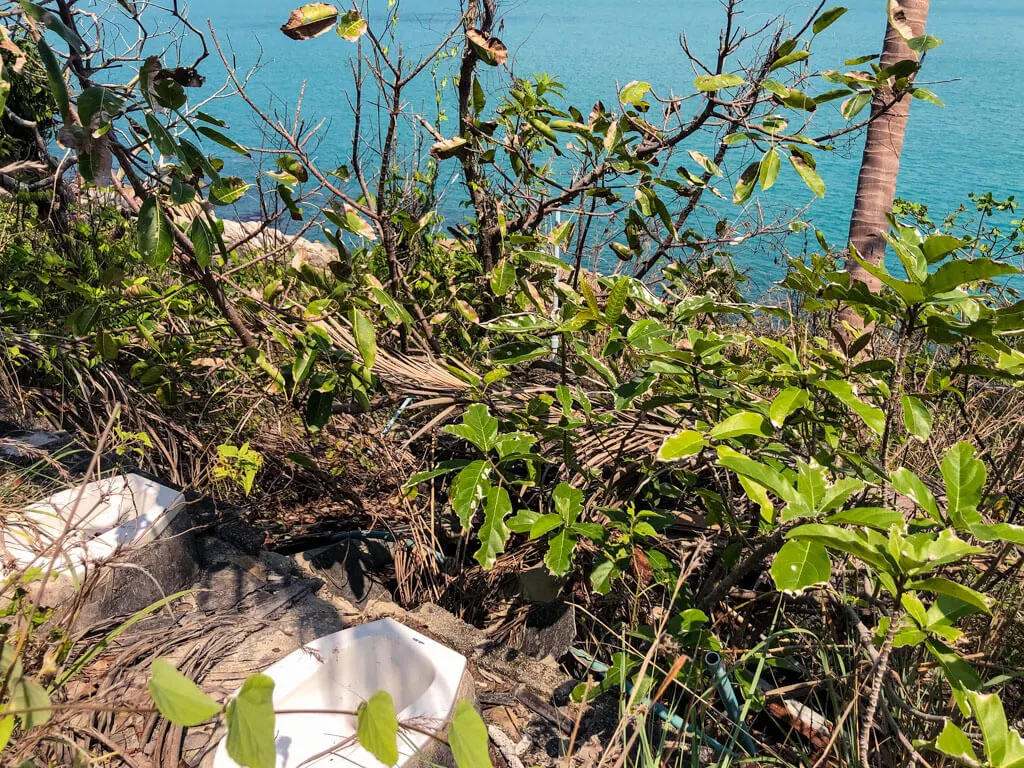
82,527
339,672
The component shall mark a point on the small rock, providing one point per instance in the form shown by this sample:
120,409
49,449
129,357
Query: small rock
352,569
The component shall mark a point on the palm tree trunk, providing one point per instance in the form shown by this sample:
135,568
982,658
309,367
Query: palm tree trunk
876,184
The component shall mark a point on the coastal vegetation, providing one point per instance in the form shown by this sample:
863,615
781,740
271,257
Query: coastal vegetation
569,377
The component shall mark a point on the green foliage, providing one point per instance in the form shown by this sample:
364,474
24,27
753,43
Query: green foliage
377,727
179,699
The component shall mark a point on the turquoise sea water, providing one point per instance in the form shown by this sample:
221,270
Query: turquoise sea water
973,144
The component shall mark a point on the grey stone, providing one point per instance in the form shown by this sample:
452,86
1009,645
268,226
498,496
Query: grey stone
352,569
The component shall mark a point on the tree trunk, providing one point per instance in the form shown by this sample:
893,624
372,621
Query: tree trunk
876,184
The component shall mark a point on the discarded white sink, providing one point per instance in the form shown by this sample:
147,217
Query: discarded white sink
81,527
340,671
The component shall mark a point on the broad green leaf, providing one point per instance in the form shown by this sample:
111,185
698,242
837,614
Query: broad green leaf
1013,534
250,722
759,473
7,723
955,743
365,337
203,243
911,486
478,427
616,300
503,277
634,93
26,693
54,74
559,555
961,272
951,588
469,488
879,518
164,141
155,240
802,165
917,418
926,95
965,481
602,575
544,524
855,104
786,403
684,444
843,390
179,699
523,521
837,494
855,543
568,502
758,494
768,169
789,59
988,710
745,184
810,483
920,553
739,424
923,43
717,82
467,737
351,26
799,565
228,190
827,19
377,727
939,246
493,532
225,141
705,162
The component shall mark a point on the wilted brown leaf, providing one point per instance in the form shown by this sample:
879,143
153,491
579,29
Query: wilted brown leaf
442,150
490,49
310,20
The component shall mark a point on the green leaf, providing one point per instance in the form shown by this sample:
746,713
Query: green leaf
799,565
917,418
568,502
768,169
705,162
469,488
634,93
544,524
988,709
955,743
923,43
684,444
523,521
7,723
156,243
54,74
179,699
365,337
228,190
789,59
962,272
602,575
503,277
786,403
616,300
164,141
559,556
759,473
855,104
937,247
351,26
250,722
717,82
745,185
879,518
951,588
739,424
225,141
827,19
377,727
852,542
478,427
965,480
1013,534
467,737
493,531
926,95
806,171
843,391
203,243
26,693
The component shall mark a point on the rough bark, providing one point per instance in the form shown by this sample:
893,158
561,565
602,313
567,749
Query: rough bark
876,184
